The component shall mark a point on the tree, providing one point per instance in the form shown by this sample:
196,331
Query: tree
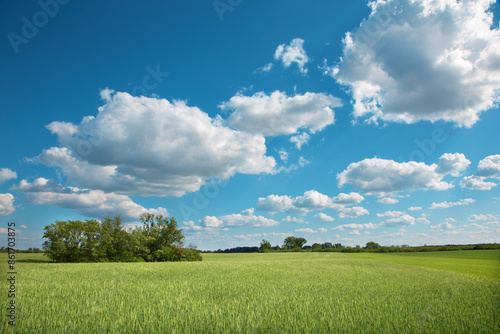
372,245
316,247
158,239
265,246
326,245
292,242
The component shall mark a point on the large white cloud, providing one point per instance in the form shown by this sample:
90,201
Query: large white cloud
149,146
293,53
277,114
91,203
6,204
7,174
311,200
413,60
487,168
381,176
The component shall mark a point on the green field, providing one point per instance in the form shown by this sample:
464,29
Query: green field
261,293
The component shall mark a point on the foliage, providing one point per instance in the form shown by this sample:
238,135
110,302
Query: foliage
295,243
265,246
372,245
157,240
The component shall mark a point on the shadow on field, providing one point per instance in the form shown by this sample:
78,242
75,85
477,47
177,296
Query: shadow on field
34,260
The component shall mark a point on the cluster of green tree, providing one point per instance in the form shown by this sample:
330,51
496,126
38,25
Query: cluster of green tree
158,239
4,249
297,244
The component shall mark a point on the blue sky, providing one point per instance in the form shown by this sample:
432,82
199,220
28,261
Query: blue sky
341,121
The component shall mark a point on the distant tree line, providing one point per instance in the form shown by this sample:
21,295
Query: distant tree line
297,244
158,239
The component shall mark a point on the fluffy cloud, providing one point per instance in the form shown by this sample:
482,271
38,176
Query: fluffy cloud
6,204
402,220
380,176
292,53
388,200
481,217
7,174
324,217
210,221
415,208
353,212
277,114
487,168
91,203
443,226
300,140
310,230
348,199
247,219
413,60
310,201
445,204
355,227
391,214
148,146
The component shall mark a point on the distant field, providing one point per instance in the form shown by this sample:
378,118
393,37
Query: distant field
261,293
482,263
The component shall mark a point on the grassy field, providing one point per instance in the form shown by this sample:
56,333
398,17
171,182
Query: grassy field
261,293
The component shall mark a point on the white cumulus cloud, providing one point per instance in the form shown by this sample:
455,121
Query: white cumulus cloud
312,200
277,114
446,204
413,60
324,217
487,168
6,204
7,174
91,203
353,212
292,53
381,176
152,147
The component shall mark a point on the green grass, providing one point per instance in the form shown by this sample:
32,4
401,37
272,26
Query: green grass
252,293
482,263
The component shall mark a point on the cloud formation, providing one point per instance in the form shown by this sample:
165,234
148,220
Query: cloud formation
487,168
414,60
312,200
7,174
90,203
292,53
446,204
278,114
6,204
152,147
381,176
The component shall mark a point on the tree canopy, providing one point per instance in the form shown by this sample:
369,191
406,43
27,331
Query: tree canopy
158,239
292,242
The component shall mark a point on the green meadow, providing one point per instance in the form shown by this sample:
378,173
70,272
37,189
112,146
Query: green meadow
304,292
